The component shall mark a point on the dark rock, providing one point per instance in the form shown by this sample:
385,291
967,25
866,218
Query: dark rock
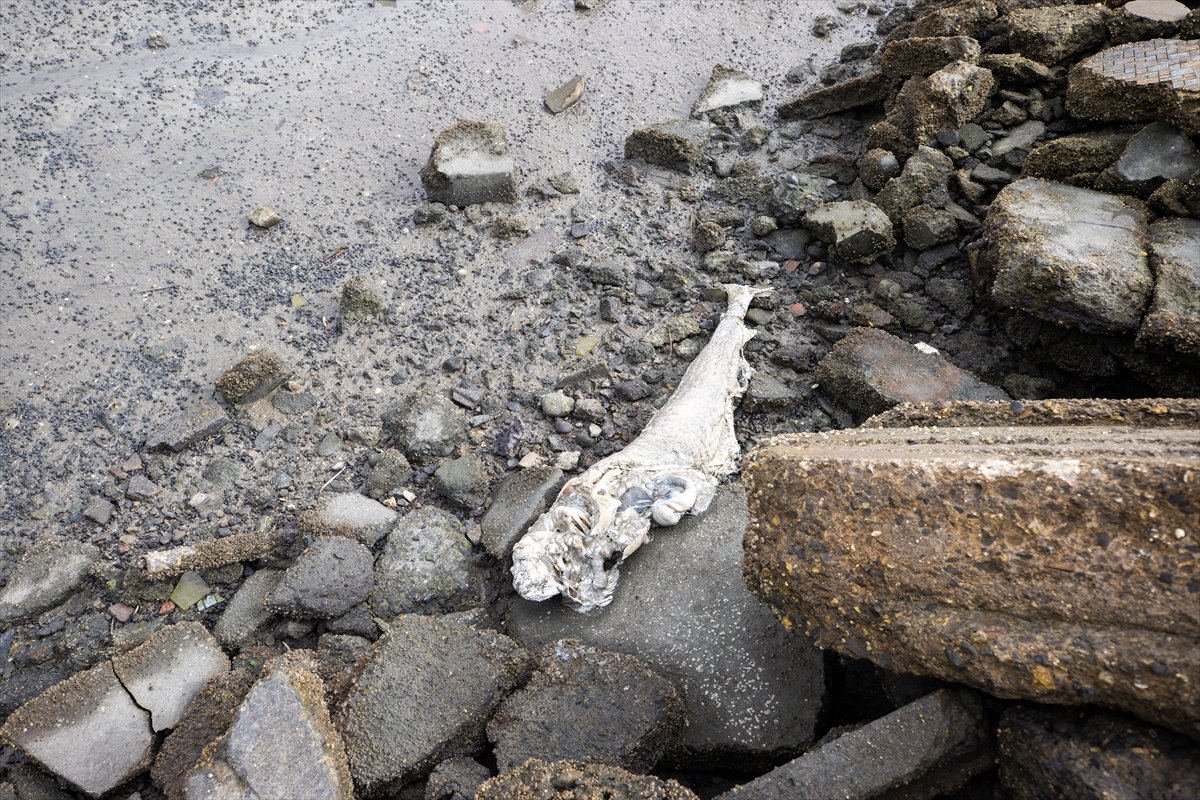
329,578
1010,582
462,481
585,704
856,231
425,567
991,175
795,194
246,613
1154,155
866,90
1014,69
281,742
1071,256
99,510
1050,753
904,58
565,96
925,736
870,371
633,390
1174,316
469,164
923,172
1055,33
926,227
516,504
44,576
877,167
566,780
390,474
456,779
199,421
423,694
684,610
253,378
425,426
678,145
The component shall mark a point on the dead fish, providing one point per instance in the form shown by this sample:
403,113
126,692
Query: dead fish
672,468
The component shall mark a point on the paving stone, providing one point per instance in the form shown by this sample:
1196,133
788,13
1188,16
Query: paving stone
424,694
977,556
585,704
64,728
924,55
470,164
516,504
870,371
1174,316
166,672
43,577
425,567
1155,79
1068,255
684,611
891,752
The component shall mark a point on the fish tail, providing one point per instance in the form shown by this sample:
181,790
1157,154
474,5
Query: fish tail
739,297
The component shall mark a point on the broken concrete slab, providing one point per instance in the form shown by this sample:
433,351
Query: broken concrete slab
329,578
728,88
586,704
178,431
44,576
470,164
423,694
976,555
1153,155
866,90
1055,33
518,501
869,371
678,145
1084,154
965,18
1068,255
561,780
1021,137
1139,20
1013,69
64,727
894,751
924,55
351,514
684,610
946,100
165,673
1174,316
425,567
280,745
1141,413
565,96
253,378
1049,753
1139,81
857,232
246,612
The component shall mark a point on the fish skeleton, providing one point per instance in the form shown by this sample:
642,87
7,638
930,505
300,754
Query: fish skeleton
672,468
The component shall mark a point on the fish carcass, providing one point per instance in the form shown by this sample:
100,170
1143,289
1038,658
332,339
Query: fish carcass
604,514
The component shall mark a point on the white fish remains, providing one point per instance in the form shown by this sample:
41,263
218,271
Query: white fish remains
604,514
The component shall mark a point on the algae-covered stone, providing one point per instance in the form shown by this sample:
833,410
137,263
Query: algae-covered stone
903,58
678,145
359,301
1055,33
253,378
857,232
549,780
470,164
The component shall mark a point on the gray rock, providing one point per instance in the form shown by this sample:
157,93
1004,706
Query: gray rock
869,371
925,171
462,481
891,752
565,96
678,145
264,217
1154,155
281,744
456,779
563,780
865,90
991,175
425,567
727,88
926,227
1013,69
166,673
179,431
767,392
516,504
945,101
390,474
1049,753
586,704
45,575
557,404
142,488
289,402
426,426
253,378
359,301
684,610
329,578
1174,316
1068,255
351,514
246,612
424,694
795,194
1021,137
470,164
99,510
64,728
157,41
856,231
